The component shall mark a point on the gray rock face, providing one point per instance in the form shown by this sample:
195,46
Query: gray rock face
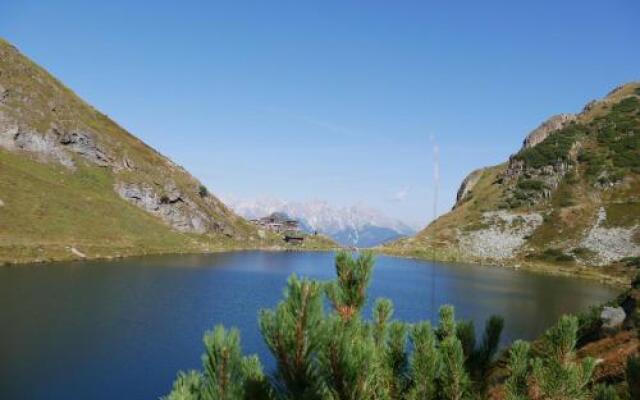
467,186
551,125
612,317
610,244
84,144
174,208
505,234
52,145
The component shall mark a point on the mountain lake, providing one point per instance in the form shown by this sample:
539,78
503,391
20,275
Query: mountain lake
122,329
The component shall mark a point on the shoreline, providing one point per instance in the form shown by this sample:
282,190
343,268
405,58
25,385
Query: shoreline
538,268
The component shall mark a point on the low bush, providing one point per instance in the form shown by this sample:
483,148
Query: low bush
203,191
554,255
554,149
583,252
531,184
631,261
636,282
633,376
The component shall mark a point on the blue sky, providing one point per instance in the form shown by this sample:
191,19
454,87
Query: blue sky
332,100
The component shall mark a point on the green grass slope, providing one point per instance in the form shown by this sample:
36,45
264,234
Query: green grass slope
48,209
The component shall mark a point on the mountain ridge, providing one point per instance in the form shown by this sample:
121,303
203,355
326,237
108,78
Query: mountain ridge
568,199
74,184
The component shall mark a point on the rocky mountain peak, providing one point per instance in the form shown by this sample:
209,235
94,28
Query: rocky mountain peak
553,124
570,195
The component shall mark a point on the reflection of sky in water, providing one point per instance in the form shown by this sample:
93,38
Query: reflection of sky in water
89,330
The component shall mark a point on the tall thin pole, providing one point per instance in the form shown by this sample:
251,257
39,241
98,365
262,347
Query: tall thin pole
436,184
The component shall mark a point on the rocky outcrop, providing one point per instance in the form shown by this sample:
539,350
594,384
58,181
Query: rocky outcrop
549,126
466,187
610,244
54,145
84,144
172,206
612,317
504,234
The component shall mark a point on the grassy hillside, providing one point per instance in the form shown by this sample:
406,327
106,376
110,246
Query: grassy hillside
73,183
47,209
568,202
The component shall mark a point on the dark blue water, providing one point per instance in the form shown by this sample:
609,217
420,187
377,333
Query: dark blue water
104,330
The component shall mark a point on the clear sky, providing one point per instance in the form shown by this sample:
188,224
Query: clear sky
332,100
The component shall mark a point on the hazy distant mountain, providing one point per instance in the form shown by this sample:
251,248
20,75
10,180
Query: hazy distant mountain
357,225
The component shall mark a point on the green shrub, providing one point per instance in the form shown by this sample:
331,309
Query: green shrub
517,385
604,392
633,376
626,105
636,282
589,325
555,255
583,252
619,132
631,261
566,201
555,148
531,184
203,191
555,373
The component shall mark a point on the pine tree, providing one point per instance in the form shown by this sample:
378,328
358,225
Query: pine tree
517,384
396,360
226,371
447,323
454,379
382,312
348,361
227,374
187,386
293,333
482,356
349,292
604,392
466,332
557,375
633,376
424,363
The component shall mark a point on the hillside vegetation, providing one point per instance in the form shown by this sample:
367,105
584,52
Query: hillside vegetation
74,184
569,200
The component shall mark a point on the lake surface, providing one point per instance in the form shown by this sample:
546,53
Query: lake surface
122,329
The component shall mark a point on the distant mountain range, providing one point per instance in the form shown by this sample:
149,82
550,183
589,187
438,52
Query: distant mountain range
358,225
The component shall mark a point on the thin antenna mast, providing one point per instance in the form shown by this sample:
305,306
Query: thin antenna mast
436,184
